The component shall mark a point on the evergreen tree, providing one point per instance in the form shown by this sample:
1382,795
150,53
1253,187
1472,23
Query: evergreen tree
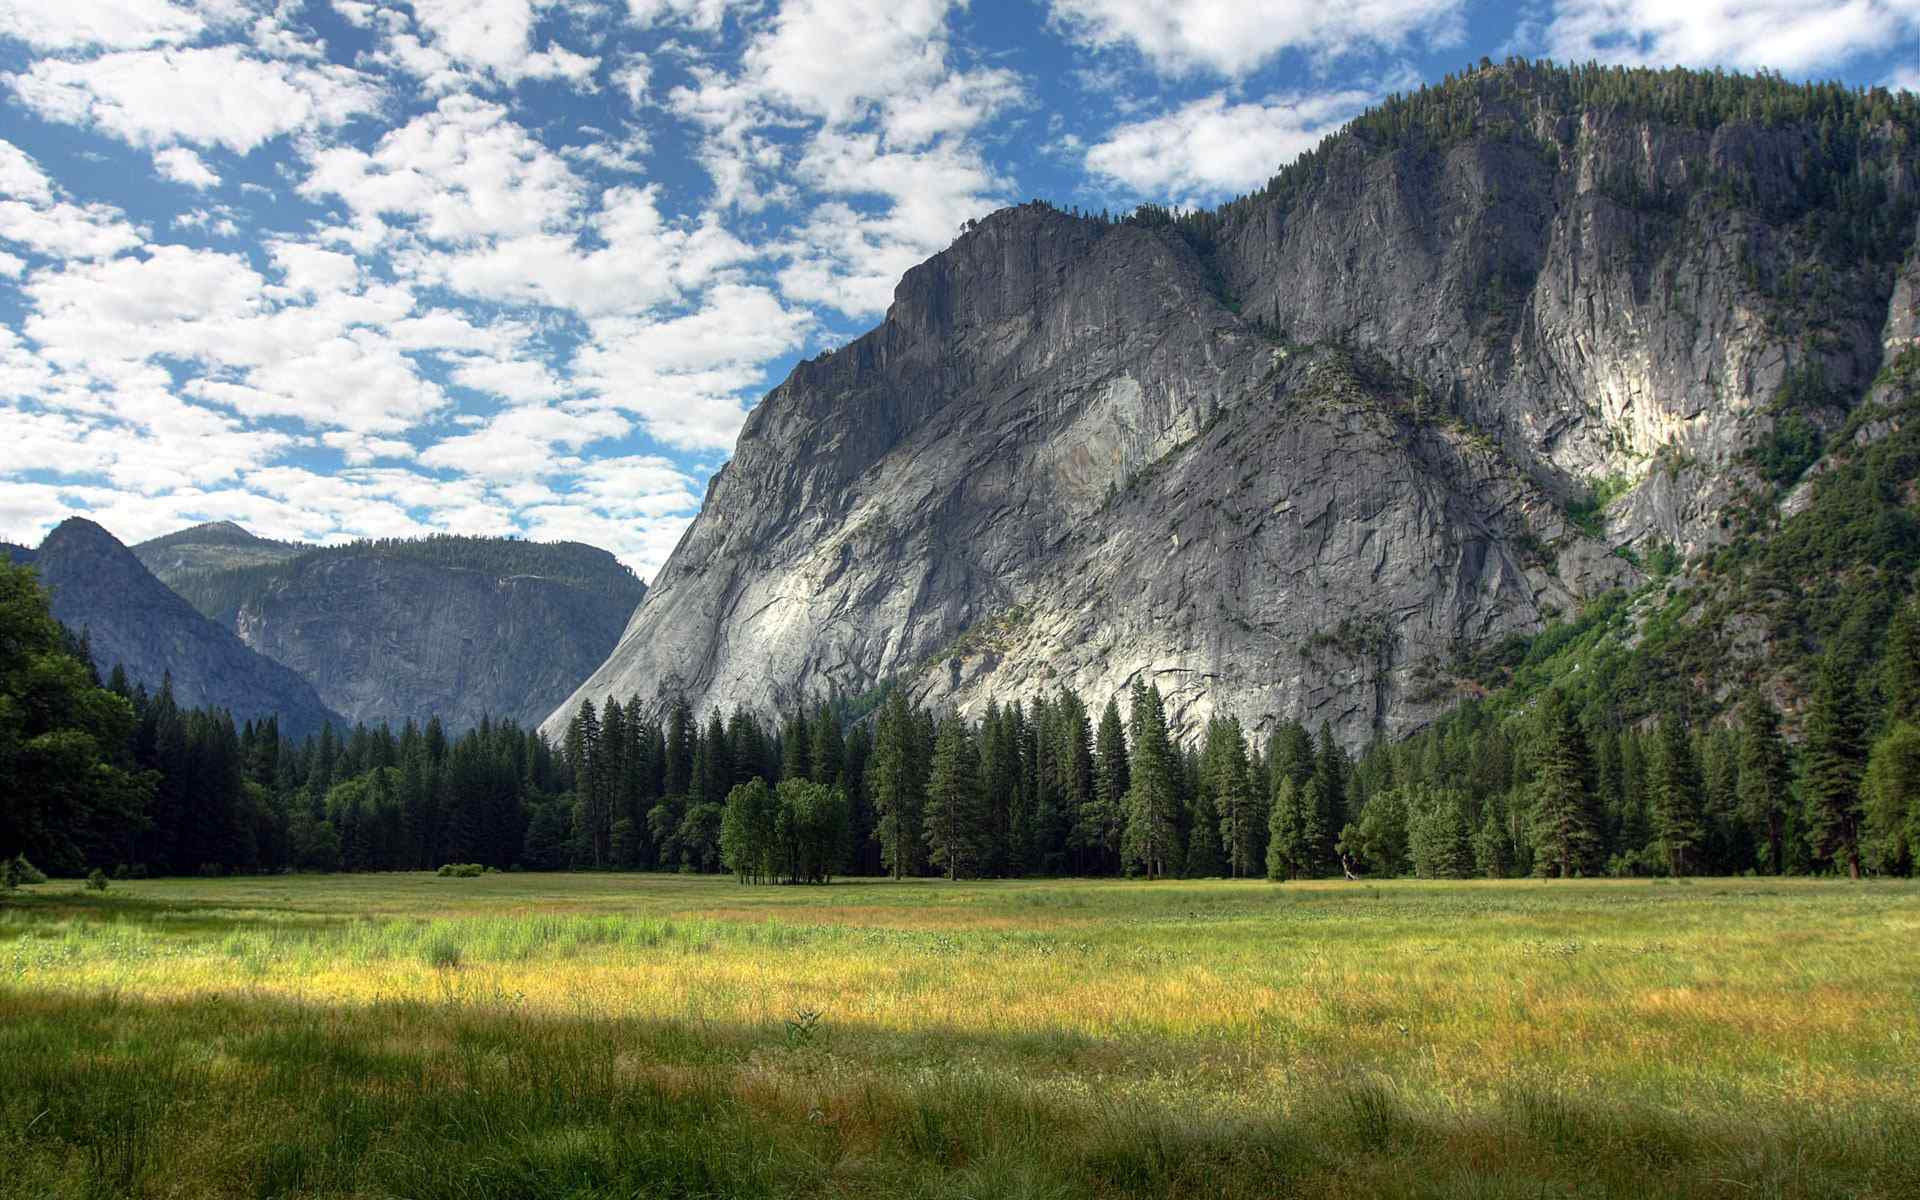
1564,837
1229,784
1331,772
1203,839
1677,821
1292,833
681,736
1111,782
1439,840
1892,788
955,807
897,788
1152,831
827,749
1835,760
1764,781
1900,666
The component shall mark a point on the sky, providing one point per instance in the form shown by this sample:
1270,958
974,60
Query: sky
343,269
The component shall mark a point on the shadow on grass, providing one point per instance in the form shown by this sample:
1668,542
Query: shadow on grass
107,1095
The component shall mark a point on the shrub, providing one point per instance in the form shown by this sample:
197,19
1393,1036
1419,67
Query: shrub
96,880
17,870
441,952
461,870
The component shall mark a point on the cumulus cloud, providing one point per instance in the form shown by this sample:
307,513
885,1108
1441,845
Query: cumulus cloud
492,38
1212,148
462,172
184,166
1234,37
115,24
215,95
684,376
21,177
1783,35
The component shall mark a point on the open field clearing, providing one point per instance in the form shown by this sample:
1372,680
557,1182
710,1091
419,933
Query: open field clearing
607,1035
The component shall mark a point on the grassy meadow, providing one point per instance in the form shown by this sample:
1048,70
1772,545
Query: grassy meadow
616,1035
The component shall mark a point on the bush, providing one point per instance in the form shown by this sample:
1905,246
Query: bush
212,871
462,870
17,870
96,880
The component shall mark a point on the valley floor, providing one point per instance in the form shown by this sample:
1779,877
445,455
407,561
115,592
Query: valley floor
614,1035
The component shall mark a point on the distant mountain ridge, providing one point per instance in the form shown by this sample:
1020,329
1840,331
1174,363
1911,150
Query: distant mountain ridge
395,629
131,619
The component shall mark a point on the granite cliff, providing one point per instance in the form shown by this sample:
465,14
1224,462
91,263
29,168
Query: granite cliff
100,589
462,628
1460,369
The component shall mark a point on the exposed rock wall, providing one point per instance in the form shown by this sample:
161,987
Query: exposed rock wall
1288,469
131,619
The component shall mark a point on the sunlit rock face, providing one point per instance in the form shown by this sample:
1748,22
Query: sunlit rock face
1287,465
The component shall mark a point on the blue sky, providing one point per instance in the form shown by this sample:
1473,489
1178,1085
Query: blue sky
345,269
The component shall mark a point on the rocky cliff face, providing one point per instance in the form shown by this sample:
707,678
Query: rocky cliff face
1291,459
459,628
131,619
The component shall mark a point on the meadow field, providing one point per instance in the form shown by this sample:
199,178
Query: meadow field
631,1035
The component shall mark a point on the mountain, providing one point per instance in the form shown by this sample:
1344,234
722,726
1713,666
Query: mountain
391,630
101,589
215,546
1495,351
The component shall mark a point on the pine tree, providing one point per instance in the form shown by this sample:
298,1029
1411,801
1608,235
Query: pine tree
826,749
1331,770
1764,780
955,806
1073,764
1900,666
681,736
897,788
1203,839
1292,835
1242,817
1677,823
1153,797
1110,785
1892,788
1835,757
1564,838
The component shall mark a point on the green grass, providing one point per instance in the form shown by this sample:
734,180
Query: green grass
608,1035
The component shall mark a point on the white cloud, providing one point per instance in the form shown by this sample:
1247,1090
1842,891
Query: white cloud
1787,35
632,76
218,95
21,177
705,16
114,24
1211,148
68,231
1904,79
643,261
495,39
462,172
1235,37
525,442
683,376
885,119
184,166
